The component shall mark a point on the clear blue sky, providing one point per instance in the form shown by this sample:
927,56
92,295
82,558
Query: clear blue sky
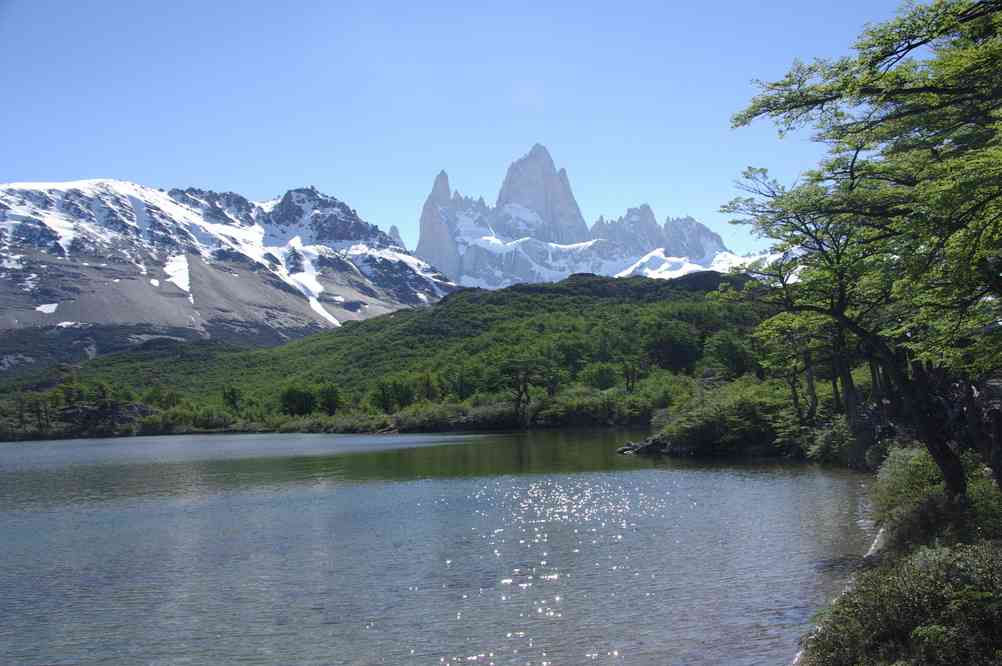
368,100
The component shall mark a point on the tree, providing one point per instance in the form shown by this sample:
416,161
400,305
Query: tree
297,400
674,345
232,397
329,398
896,236
730,351
600,375
383,396
462,378
520,376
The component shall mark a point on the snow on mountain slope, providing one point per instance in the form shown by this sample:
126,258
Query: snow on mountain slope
109,252
535,233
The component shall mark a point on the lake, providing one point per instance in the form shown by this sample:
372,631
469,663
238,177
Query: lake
536,548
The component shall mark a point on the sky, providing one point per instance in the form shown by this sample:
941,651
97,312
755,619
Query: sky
367,101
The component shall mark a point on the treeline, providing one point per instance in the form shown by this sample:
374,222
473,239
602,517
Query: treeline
886,276
589,354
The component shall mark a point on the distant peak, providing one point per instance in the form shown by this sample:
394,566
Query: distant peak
441,191
540,155
539,149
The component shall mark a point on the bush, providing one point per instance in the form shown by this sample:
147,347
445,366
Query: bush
600,376
832,444
429,417
498,416
297,400
674,345
938,607
737,419
908,498
729,351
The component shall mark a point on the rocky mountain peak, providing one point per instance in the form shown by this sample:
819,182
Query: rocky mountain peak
686,237
440,190
435,242
395,235
539,202
535,232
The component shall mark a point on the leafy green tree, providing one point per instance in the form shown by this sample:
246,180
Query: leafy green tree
297,400
383,396
600,375
426,387
674,345
232,396
329,398
896,235
462,379
730,351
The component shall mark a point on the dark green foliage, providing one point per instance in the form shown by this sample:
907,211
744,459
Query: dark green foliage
674,345
731,352
909,499
600,375
231,397
297,400
736,419
939,606
329,398
505,357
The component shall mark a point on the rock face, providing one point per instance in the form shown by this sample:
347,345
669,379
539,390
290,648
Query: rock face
536,233
97,264
536,200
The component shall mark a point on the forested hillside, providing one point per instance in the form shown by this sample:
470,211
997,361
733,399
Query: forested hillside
613,350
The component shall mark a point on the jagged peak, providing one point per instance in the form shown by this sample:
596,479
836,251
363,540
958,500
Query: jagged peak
441,192
395,235
538,154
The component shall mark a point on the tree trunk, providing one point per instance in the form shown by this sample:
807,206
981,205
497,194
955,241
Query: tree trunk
876,391
843,372
812,393
995,455
791,381
836,400
918,400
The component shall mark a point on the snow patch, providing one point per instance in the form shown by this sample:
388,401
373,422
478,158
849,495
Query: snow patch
177,268
47,308
155,282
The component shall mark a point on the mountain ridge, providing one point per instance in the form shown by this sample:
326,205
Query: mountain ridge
88,254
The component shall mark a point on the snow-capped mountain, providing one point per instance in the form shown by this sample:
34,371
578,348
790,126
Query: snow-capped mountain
535,233
194,263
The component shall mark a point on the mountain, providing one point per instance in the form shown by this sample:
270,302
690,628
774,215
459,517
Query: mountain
535,233
94,266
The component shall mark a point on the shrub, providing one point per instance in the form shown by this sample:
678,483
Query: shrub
832,443
908,498
731,352
297,400
939,606
735,419
600,376
329,398
429,417
674,345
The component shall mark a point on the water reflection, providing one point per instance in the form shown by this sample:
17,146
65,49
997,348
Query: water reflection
544,548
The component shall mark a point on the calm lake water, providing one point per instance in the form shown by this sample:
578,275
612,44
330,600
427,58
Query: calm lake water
543,548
